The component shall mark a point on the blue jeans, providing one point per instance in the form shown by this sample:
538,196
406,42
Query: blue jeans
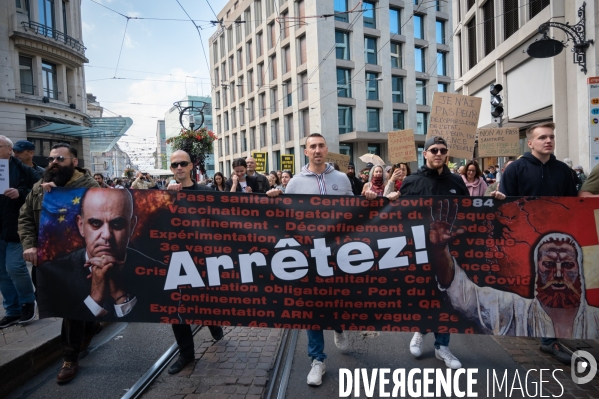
441,339
316,344
548,341
15,281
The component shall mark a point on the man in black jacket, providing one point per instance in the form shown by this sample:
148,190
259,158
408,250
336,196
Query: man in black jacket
356,184
434,178
15,281
262,184
539,173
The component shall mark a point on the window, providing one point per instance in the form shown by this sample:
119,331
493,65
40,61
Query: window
374,149
224,95
372,86
26,74
273,67
216,76
471,30
232,91
215,53
226,120
269,8
372,119
220,148
289,136
397,89
341,7
510,18
227,145
284,19
248,53
257,13
303,81
394,21
241,114
233,118
240,86
469,4
489,25
247,17
536,6
49,80
274,131
442,87
222,45
300,13
244,142
288,97
252,138
259,44
370,50
342,44
420,92
230,39
46,16
250,83
251,109
418,26
238,35
234,143
263,135
346,149
224,69
301,59
441,63
369,14
421,122
217,100
396,60
440,31
305,122
398,120
276,159
262,104
343,82
274,99
239,60
420,61
272,35
260,74
231,67
344,115
286,59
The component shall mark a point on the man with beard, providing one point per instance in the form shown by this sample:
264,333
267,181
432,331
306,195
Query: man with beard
15,281
356,184
62,171
539,173
98,177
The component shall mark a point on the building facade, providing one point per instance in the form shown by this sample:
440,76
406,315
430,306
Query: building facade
43,80
490,41
350,70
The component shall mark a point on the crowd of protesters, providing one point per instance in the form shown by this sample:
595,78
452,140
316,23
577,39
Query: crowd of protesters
536,173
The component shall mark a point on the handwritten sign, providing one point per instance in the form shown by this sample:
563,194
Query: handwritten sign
339,159
260,158
455,118
4,176
402,147
287,162
499,142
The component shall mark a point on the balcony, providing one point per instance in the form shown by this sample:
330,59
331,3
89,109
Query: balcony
44,30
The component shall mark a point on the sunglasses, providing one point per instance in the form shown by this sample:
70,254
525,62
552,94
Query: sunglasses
59,159
435,151
183,164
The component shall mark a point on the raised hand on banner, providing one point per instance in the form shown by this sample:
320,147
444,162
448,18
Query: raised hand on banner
106,277
442,231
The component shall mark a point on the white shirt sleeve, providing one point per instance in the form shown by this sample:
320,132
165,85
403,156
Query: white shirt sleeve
93,307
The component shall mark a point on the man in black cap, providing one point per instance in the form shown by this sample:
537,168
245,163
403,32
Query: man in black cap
24,151
356,184
434,178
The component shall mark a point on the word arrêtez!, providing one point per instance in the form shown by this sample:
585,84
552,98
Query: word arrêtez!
292,264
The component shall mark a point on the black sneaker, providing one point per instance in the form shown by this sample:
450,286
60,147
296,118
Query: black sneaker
27,312
180,364
557,351
8,321
216,332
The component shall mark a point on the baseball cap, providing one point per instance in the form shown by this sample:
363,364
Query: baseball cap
369,165
23,145
351,165
434,140
388,168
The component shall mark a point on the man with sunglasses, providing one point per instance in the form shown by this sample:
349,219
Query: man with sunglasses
181,166
62,171
434,178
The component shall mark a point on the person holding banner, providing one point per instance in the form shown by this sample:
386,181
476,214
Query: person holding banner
376,182
434,178
286,175
182,167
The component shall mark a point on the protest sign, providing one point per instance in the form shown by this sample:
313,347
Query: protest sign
340,159
287,162
260,158
402,147
455,118
4,176
499,142
325,262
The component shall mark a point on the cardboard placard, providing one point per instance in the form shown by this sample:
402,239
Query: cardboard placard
288,162
260,158
455,118
340,159
499,142
4,176
402,147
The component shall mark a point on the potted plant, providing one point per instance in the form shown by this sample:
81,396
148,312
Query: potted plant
197,143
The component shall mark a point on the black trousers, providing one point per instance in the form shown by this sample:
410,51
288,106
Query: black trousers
184,339
72,335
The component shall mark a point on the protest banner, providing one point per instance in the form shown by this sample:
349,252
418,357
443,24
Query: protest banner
288,162
402,147
4,176
499,142
260,158
455,118
341,160
322,262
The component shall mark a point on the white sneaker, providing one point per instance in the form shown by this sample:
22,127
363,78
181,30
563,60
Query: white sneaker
316,373
443,353
416,344
341,341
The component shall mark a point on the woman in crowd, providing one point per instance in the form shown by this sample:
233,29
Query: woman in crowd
240,182
218,183
376,181
399,172
473,179
273,180
286,175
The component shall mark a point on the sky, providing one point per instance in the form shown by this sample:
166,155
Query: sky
159,61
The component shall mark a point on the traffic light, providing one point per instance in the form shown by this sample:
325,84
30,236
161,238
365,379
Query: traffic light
496,101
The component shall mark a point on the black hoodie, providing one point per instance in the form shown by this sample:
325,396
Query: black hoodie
428,181
528,176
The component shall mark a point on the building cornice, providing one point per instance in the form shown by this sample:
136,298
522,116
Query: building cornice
44,46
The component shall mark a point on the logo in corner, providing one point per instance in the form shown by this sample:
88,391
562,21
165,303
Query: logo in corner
335,187
583,362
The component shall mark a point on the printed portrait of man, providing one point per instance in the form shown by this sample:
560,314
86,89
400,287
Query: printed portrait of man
98,281
558,309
